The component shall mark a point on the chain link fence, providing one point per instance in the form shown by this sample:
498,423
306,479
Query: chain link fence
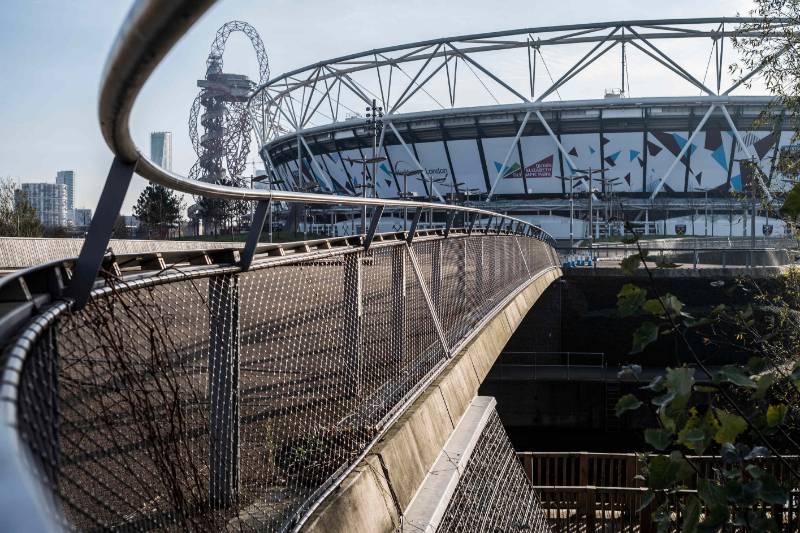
216,399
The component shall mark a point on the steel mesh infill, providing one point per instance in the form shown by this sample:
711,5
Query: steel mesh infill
237,399
493,494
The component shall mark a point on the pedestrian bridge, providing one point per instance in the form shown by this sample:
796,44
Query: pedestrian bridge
202,396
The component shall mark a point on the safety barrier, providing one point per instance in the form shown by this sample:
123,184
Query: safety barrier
212,397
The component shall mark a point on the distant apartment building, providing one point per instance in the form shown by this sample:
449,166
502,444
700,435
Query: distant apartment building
67,177
161,149
49,200
82,217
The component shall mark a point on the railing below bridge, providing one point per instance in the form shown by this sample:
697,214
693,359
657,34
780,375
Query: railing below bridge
582,491
206,397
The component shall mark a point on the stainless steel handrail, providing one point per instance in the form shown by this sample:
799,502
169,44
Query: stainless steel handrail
150,30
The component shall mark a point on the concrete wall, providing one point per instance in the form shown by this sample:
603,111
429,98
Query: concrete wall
377,493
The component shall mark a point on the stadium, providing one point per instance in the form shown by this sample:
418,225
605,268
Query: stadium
489,119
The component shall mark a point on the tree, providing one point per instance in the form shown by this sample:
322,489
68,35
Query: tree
745,413
17,217
158,209
773,48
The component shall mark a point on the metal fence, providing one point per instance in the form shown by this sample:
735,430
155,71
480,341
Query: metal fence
514,365
213,398
687,257
493,493
582,491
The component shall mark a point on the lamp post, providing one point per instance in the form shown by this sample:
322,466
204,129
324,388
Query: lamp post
364,185
430,181
374,123
752,163
571,210
309,188
705,209
405,195
589,176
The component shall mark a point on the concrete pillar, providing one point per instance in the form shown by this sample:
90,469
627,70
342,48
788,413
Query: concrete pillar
223,390
353,321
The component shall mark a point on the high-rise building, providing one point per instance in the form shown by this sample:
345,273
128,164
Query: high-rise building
67,177
49,200
161,149
82,217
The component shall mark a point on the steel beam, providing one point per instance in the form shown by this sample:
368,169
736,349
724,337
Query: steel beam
100,230
256,227
683,151
750,154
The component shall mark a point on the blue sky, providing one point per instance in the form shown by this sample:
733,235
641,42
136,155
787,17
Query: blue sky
54,51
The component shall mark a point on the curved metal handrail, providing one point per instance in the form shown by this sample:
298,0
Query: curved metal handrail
150,30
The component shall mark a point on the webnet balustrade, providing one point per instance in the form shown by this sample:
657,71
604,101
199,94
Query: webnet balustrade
211,397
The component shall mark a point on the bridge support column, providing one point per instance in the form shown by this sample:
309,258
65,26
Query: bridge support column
223,391
353,321
399,303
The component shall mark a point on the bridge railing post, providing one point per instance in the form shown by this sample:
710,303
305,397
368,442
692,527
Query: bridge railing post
479,266
399,302
436,274
223,390
353,320
462,273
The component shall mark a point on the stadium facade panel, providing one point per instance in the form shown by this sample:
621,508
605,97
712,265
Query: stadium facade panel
633,143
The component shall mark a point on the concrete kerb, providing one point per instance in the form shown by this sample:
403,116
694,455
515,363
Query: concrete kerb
398,464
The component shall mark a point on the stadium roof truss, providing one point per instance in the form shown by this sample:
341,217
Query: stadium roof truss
329,92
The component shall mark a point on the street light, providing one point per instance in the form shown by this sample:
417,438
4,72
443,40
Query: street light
427,178
571,209
308,188
705,209
375,125
405,195
588,174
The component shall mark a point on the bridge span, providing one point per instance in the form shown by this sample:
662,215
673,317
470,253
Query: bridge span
205,396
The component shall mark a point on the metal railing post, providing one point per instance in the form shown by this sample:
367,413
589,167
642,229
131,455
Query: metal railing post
436,274
223,390
426,294
462,274
399,302
353,327
479,267
100,230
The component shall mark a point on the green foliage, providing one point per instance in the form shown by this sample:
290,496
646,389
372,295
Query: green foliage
646,334
730,427
158,209
629,402
736,375
630,300
725,415
631,263
17,217
776,414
